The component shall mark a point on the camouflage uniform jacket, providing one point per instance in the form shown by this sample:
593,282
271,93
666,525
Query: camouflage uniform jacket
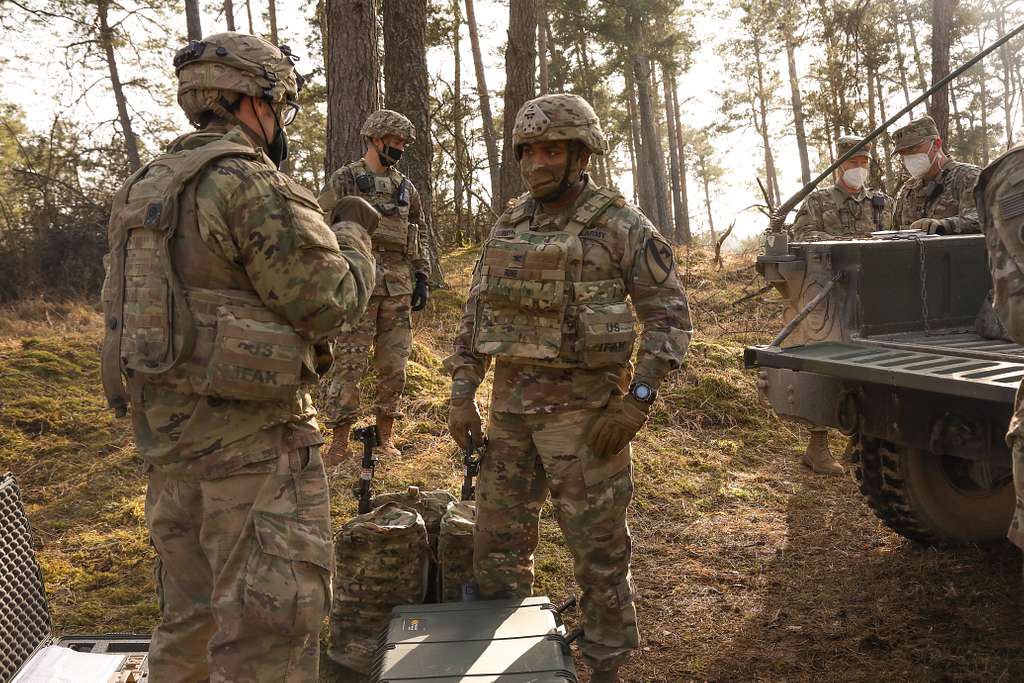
1000,201
834,212
951,199
622,243
261,222
393,268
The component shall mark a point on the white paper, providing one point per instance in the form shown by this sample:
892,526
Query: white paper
55,664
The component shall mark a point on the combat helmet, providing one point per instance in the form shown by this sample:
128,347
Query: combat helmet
214,72
388,122
558,117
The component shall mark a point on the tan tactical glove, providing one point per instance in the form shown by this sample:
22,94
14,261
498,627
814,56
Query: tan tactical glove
932,226
465,423
618,424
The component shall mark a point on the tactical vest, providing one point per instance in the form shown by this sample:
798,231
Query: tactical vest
534,307
179,315
1007,235
390,196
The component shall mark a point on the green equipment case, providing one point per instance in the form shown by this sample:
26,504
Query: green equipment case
484,641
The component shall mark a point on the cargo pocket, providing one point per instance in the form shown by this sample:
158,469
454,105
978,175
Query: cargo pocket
287,579
255,358
606,334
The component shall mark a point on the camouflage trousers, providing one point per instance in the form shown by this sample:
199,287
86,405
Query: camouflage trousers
387,325
528,456
243,572
1016,533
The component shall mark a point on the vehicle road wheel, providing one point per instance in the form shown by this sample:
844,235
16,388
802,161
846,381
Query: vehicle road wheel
931,499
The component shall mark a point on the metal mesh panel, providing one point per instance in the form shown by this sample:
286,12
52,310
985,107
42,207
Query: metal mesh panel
24,619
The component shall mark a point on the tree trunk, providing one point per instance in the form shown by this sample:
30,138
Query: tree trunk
631,144
248,13
652,156
542,47
643,177
131,145
1008,83
457,119
229,14
942,23
667,225
706,181
407,89
351,96
983,90
668,79
272,14
890,174
876,168
762,112
902,67
520,67
798,107
918,63
195,27
490,135
683,234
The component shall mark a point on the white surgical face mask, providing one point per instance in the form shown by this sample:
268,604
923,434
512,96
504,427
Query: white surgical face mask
855,177
918,164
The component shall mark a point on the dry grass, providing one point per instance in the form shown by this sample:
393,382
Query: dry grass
747,566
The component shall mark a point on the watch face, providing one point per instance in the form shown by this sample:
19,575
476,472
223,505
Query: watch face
642,392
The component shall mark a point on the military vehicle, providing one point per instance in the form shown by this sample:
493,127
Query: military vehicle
880,344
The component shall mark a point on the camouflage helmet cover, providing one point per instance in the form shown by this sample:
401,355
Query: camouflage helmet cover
387,122
914,133
233,63
847,142
558,117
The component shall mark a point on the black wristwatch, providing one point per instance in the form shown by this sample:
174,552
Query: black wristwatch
642,392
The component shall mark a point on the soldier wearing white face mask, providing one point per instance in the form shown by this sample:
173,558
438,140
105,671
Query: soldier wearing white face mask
848,208
939,197
844,210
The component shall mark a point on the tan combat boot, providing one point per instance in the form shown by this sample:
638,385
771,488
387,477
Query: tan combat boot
818,457
339,450
385,427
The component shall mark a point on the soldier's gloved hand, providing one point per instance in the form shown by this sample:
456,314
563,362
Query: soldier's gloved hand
420,292
933,226
618,424
464,422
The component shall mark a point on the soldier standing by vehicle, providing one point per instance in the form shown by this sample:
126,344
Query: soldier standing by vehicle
939,197
1000,200
549,301
846,209
223,280
387,324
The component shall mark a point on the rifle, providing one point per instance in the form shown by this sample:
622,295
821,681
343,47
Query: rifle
777,241
470,469
369,438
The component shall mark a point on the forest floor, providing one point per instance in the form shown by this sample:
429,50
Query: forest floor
747,566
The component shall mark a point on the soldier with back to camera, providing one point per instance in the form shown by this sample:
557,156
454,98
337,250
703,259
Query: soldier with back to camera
223,284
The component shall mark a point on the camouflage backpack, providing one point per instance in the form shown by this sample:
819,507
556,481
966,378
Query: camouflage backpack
383,560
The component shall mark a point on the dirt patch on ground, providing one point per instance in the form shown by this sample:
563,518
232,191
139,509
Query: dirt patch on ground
747,566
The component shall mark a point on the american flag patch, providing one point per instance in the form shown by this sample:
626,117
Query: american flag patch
1012,206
